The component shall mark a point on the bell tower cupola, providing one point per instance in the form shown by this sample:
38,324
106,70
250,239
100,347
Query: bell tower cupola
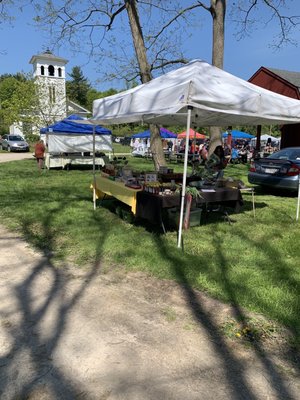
50,77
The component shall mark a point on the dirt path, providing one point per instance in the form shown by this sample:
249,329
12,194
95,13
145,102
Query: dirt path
69,334
6,156
96,335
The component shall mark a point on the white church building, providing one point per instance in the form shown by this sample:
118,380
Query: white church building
49,72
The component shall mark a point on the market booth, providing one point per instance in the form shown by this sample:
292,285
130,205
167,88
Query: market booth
70,142
155,196
200,95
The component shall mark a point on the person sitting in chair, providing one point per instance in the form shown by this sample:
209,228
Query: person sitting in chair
244,154
268,148
235,157
216,163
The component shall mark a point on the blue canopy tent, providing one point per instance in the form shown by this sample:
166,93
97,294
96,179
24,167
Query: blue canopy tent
71,136
67,126
238,135
164,133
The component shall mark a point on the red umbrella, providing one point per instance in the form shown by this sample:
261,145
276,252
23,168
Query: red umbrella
193,135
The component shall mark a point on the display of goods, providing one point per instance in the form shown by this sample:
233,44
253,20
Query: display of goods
158,187
152,187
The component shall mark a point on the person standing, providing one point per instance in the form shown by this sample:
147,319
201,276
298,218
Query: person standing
244,154
170,146
39,153
203,153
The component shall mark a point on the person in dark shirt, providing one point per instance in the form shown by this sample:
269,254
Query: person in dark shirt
215,164
170,146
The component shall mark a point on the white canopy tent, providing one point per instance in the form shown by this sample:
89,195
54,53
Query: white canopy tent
197,94
264,139
217,98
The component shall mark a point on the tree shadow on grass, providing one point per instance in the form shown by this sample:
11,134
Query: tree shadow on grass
26,337
279,276
233,368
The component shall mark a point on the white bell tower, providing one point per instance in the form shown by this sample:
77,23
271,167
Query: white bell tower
49,74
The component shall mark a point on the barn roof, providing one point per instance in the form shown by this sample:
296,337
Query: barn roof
290,76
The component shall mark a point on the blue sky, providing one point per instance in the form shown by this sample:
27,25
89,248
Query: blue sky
242,58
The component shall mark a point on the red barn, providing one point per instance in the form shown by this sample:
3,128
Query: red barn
286,83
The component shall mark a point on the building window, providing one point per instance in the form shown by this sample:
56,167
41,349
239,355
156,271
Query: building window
59,72
51,70
52,94
42,70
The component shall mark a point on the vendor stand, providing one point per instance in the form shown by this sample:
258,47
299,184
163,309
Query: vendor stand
150,195
72,142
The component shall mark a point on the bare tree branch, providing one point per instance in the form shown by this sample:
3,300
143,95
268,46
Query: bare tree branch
247,19
113,16
178,16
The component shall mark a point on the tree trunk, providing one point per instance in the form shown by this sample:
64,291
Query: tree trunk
146,76
156,147
218,11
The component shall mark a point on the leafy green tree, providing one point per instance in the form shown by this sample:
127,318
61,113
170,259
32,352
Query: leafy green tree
77,88
19,76
21,103
8,85
14,94
94,94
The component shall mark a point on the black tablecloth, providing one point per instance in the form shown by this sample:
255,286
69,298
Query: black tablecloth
150,206
224,196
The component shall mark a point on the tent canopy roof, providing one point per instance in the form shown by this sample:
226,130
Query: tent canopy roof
216,97
72,126
266,137
238,135
164,133
193,134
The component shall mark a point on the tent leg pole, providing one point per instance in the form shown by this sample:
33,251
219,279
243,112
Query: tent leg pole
94,197
186,154
94,166
298,202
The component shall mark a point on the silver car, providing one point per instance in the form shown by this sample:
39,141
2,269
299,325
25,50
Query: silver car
280,170
13,143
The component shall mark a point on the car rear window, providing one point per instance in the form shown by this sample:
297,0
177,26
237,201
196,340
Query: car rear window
288,154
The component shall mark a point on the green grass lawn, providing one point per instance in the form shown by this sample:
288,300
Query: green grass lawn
119,148
252,263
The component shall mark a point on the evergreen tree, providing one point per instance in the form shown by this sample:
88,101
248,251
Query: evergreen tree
78,87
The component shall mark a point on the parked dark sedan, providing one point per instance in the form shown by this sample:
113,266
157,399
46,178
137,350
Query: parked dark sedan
280,170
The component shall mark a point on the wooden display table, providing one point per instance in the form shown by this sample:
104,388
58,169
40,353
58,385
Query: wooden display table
107,187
